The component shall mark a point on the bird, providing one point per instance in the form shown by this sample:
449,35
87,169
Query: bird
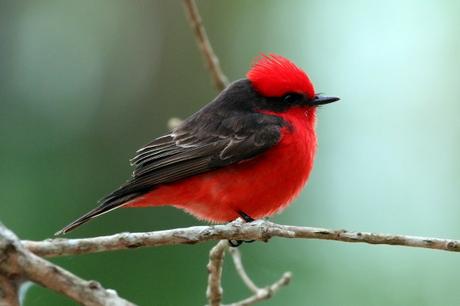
246,154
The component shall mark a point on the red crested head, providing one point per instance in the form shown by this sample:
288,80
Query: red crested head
275,76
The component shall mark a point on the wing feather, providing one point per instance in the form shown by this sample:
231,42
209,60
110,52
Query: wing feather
192,148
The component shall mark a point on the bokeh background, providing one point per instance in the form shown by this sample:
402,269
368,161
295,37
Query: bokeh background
84,83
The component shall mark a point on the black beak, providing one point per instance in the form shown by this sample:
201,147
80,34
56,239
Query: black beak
320,100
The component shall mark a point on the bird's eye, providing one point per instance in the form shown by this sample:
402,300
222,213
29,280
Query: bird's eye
291,98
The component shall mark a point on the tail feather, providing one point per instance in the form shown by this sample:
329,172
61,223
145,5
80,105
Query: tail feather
108,204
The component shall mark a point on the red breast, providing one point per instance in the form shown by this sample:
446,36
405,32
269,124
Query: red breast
260,187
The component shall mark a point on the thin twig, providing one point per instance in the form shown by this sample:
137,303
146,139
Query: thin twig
265,293
16,261
257,230
216,260
259,294
196,23
236,256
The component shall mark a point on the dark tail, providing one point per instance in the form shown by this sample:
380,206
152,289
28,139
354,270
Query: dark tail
107,204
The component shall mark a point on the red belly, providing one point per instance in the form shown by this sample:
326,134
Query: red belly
259,187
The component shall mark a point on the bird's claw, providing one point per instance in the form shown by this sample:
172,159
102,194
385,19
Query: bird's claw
236,243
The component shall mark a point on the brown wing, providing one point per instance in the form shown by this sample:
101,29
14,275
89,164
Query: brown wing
193,148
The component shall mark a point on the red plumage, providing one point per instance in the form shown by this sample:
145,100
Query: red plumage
259,187
247,153
274,76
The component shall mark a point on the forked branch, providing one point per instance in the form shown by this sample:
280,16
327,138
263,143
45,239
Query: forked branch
214,292
259,294
18,264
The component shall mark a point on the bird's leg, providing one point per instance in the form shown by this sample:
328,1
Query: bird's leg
248,219
245,216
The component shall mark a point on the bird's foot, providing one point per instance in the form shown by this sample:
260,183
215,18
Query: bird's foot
237,243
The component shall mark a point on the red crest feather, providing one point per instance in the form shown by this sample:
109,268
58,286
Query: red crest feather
274,76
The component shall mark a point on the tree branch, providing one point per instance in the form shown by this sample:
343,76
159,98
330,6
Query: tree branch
9,290
259,294
214,291
236,256
257,230
219,79
265,293
17,262
216,261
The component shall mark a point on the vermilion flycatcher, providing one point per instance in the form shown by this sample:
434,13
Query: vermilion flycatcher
246,154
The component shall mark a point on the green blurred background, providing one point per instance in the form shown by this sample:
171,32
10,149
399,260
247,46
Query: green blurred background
84,83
